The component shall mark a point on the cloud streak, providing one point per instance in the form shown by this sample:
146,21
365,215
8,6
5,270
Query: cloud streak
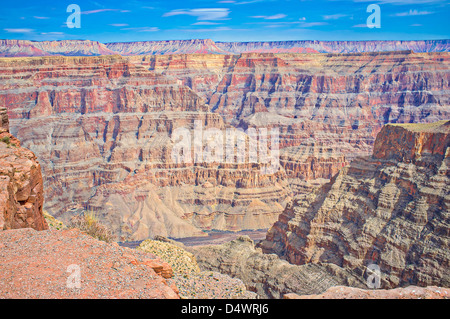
202,14
273,17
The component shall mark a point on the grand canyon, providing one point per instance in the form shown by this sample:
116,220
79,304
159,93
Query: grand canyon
362,175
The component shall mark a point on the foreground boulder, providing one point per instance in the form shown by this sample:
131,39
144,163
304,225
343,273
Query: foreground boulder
43,265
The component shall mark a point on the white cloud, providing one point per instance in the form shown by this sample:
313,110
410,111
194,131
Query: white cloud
334,16
273,17
41,18
202,14
312,24
119,25
143,29
412,13
205,23
19,30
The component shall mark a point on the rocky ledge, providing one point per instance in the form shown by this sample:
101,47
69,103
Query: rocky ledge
41,264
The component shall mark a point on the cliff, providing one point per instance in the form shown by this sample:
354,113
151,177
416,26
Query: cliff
21,184
390,209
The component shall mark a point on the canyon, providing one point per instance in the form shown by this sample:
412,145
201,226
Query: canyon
362,180
102,129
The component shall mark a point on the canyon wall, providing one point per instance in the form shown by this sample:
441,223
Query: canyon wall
102,128
390,209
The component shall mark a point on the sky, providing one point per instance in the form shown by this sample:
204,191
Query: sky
225,20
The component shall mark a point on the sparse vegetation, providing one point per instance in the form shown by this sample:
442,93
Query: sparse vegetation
88,223
52,222
6,140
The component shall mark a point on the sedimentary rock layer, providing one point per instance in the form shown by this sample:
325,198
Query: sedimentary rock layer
390,209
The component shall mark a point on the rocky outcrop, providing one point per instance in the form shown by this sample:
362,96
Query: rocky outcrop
410,292
4,119
46,265
21,184
391,210
267,275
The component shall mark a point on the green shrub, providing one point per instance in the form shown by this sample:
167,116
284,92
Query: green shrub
6,140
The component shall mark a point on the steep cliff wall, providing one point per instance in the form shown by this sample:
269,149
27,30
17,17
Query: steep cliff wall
21,184
391,209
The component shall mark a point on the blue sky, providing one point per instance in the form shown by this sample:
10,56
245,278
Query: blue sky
225,20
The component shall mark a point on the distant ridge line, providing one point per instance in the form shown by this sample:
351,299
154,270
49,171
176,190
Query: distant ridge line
28,48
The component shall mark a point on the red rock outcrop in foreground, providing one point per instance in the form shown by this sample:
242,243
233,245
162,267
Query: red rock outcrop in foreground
36,265
411,292
391,210
21,184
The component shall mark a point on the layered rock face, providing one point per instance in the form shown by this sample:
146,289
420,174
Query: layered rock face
328,108
269,276
21,184
103,128
338,100
391,210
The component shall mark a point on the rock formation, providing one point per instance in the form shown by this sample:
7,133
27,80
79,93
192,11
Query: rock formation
267,275
21,184
391,210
